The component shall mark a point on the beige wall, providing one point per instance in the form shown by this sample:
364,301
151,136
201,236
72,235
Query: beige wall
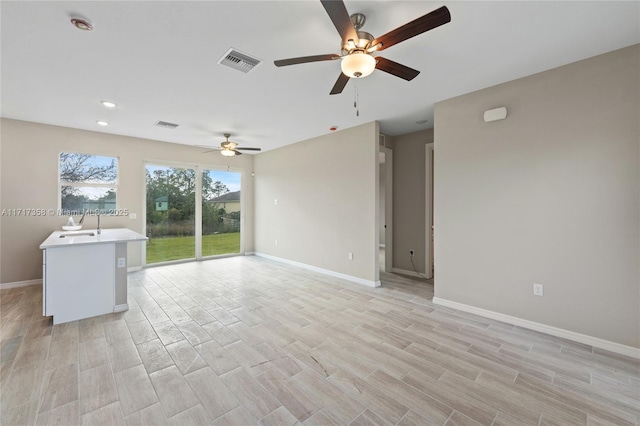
327,195
409,193
550,195
29,177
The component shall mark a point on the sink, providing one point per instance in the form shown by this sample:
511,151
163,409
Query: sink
78,234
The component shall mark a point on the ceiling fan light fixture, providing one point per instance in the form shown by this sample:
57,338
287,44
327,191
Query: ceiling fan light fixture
374,48
227,152
358,65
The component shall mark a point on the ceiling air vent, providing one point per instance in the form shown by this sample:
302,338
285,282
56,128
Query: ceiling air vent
239,61
166,125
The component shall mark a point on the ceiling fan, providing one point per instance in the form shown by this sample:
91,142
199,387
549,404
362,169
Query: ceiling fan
229,149
358,46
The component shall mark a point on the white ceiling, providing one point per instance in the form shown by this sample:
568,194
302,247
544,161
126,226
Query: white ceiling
158,61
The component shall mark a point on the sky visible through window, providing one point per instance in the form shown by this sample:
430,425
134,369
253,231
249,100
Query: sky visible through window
230,179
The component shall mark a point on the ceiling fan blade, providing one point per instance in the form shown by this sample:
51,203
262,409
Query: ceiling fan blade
236,152
305,59
342,81
340,18
250,149
418,26
396,69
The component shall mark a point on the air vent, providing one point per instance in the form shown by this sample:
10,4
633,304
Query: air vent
239,61
166,125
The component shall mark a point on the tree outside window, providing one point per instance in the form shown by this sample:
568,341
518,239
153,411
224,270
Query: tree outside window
88,182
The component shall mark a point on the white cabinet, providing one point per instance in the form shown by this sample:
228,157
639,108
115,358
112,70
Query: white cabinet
81,274
78,281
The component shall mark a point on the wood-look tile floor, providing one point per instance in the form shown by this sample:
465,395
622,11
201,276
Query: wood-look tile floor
245,340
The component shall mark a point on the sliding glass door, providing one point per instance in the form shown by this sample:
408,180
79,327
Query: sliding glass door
171,213
177,230
220,212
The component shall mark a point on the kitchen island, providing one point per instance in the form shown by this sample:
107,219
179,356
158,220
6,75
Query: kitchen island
84,273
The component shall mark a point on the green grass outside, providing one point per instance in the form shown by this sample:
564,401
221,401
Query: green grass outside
175,248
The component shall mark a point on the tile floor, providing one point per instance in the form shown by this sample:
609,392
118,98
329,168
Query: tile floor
245,340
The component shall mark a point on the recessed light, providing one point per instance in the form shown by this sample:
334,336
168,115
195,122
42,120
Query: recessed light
102,123
82,24
108,104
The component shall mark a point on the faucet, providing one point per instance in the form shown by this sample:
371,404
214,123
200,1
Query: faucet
99,230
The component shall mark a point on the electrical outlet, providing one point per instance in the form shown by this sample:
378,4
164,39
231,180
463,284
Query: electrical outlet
121,262
538,289
411,253
350,256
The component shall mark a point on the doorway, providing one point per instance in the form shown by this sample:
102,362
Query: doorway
385,189
429,227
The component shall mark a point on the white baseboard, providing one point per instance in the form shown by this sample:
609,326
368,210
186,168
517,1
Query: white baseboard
21,284
351,278
249,253
543,328
134,269
121,308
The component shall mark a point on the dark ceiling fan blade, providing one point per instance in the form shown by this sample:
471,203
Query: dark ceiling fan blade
236,152
396,69
305,59
342,81
418,26
250,149
340,18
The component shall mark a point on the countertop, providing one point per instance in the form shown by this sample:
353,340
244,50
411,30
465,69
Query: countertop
74,238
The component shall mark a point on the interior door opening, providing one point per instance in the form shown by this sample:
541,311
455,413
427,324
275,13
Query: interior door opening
385,188
429,228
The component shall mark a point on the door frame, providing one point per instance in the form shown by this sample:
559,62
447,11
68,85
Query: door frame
388,209
428,210
198,167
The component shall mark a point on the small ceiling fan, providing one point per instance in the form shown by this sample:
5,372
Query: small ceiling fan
229,149
358,46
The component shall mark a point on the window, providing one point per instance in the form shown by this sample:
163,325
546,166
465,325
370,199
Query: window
88,182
